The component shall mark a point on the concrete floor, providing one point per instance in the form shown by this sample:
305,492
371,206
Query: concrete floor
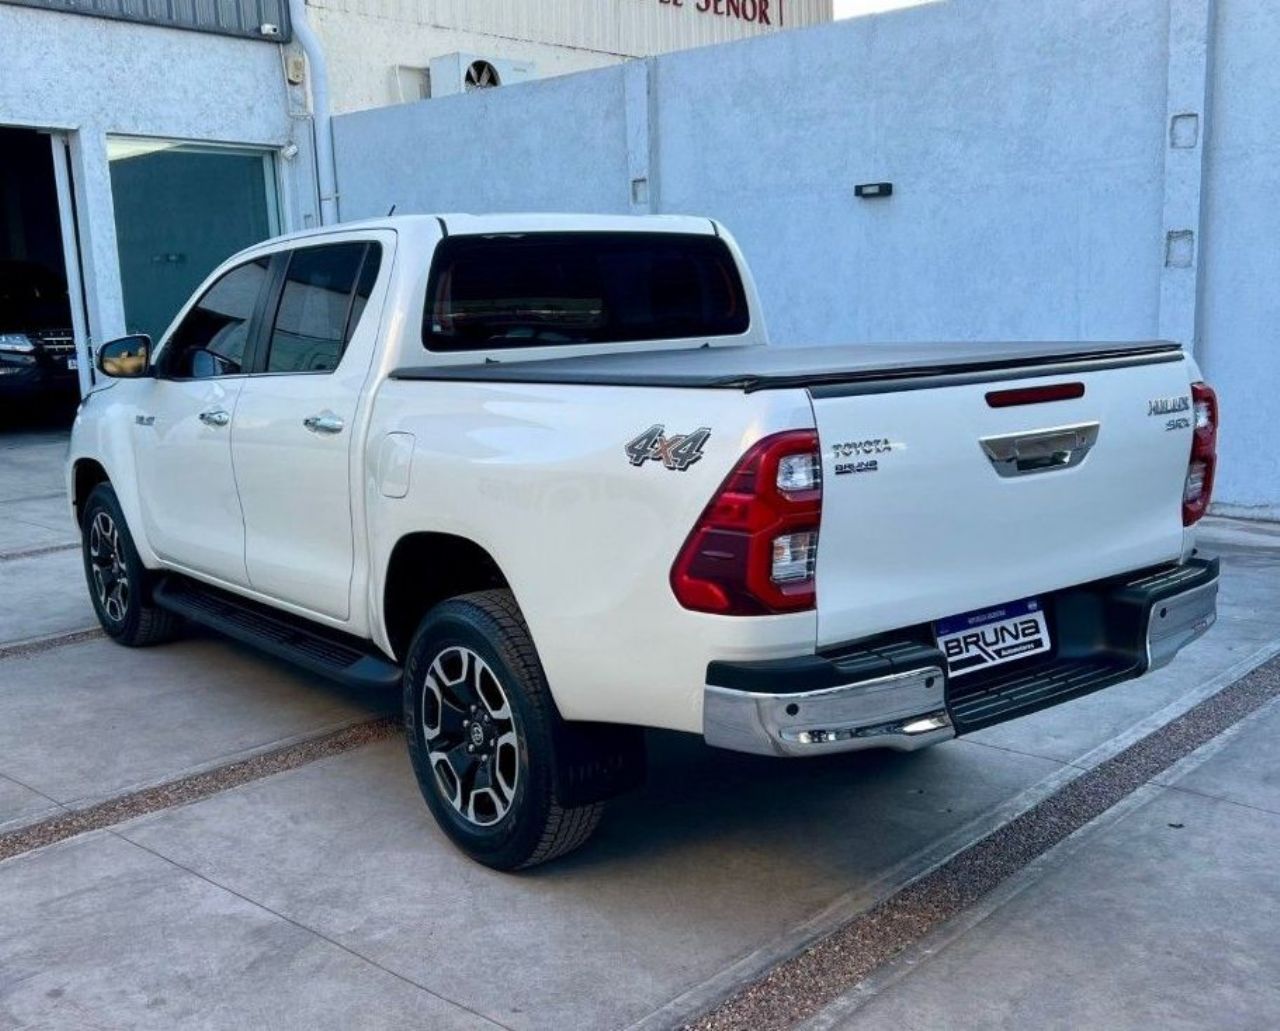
325,896
32,492
1161,914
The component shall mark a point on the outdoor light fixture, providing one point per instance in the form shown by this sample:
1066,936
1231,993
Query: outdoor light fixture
869,190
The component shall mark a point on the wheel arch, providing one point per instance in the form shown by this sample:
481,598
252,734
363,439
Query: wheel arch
426,568
86,474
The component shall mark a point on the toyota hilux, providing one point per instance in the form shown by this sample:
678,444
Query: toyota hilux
545,476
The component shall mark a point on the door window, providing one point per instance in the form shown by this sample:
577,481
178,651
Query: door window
212,338
324,293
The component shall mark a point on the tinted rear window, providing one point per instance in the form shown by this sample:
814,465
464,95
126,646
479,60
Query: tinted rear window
543,289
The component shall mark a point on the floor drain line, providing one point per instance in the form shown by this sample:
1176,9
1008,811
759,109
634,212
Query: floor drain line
185,790
51,549
801,986
22,649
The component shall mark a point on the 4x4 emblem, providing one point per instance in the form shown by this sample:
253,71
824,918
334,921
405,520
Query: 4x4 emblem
677,452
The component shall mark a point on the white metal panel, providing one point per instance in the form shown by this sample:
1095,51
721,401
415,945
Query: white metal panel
621,27
228,17
933,530
590,560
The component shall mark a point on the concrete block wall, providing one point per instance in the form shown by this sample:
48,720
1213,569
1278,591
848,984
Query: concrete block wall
1038,192
549,145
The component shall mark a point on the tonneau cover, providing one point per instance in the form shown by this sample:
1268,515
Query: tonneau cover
848,368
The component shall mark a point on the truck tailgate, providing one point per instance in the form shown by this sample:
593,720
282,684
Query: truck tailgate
922,520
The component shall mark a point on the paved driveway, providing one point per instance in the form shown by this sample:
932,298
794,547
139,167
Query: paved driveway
324,896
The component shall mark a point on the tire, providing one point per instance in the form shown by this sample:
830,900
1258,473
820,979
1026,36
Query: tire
119,584
473,685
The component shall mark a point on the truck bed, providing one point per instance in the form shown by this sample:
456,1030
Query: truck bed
828,370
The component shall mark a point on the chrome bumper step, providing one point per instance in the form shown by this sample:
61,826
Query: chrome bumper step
895,693
1020,692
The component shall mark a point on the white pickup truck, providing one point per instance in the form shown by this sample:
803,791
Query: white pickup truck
542,474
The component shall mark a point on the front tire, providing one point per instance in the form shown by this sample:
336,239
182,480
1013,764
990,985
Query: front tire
482,733
119,584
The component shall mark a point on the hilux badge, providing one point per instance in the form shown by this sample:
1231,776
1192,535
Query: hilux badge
676,452
1168,405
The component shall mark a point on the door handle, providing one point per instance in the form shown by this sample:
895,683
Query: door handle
325,422
215,417
1038,451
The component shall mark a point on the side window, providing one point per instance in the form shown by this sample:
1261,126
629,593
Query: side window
325,290
211,340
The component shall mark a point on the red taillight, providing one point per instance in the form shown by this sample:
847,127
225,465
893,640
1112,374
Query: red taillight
754,549
1198,490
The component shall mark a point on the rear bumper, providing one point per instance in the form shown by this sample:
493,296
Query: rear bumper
894,692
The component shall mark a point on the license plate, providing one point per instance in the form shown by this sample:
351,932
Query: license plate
73,363
1005,633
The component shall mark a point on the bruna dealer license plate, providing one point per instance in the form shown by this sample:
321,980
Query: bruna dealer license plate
978,640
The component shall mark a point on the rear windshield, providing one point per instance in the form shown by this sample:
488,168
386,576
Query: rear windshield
543,289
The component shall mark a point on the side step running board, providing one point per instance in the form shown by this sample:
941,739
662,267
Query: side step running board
328,652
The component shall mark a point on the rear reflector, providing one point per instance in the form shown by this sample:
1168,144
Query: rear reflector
1035,395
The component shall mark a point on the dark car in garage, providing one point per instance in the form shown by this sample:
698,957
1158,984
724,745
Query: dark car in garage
37,348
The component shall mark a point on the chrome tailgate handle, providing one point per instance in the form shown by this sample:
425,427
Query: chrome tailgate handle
1038,451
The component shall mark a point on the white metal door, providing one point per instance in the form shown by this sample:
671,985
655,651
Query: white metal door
190,504
293,442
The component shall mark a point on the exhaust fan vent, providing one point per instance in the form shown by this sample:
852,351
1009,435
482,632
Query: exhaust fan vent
482,75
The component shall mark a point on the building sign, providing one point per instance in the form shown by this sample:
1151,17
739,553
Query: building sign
757,12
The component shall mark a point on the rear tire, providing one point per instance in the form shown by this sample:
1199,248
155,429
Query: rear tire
119,584
482,731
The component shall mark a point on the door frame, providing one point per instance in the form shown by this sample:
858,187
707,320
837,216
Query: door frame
69,226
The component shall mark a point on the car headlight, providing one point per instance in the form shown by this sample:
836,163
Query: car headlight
16,343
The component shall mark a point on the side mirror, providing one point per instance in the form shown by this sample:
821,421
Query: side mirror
126,358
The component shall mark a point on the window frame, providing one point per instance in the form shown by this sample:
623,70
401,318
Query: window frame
258,350
165,351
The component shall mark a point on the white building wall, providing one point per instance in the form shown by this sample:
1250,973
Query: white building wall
372,60
552,144
1027,141
94,77
1240,253
366,40
1025,149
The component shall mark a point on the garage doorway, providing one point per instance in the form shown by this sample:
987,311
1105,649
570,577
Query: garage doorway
181,209
41,305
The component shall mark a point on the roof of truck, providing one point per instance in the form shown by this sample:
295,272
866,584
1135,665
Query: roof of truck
461,224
